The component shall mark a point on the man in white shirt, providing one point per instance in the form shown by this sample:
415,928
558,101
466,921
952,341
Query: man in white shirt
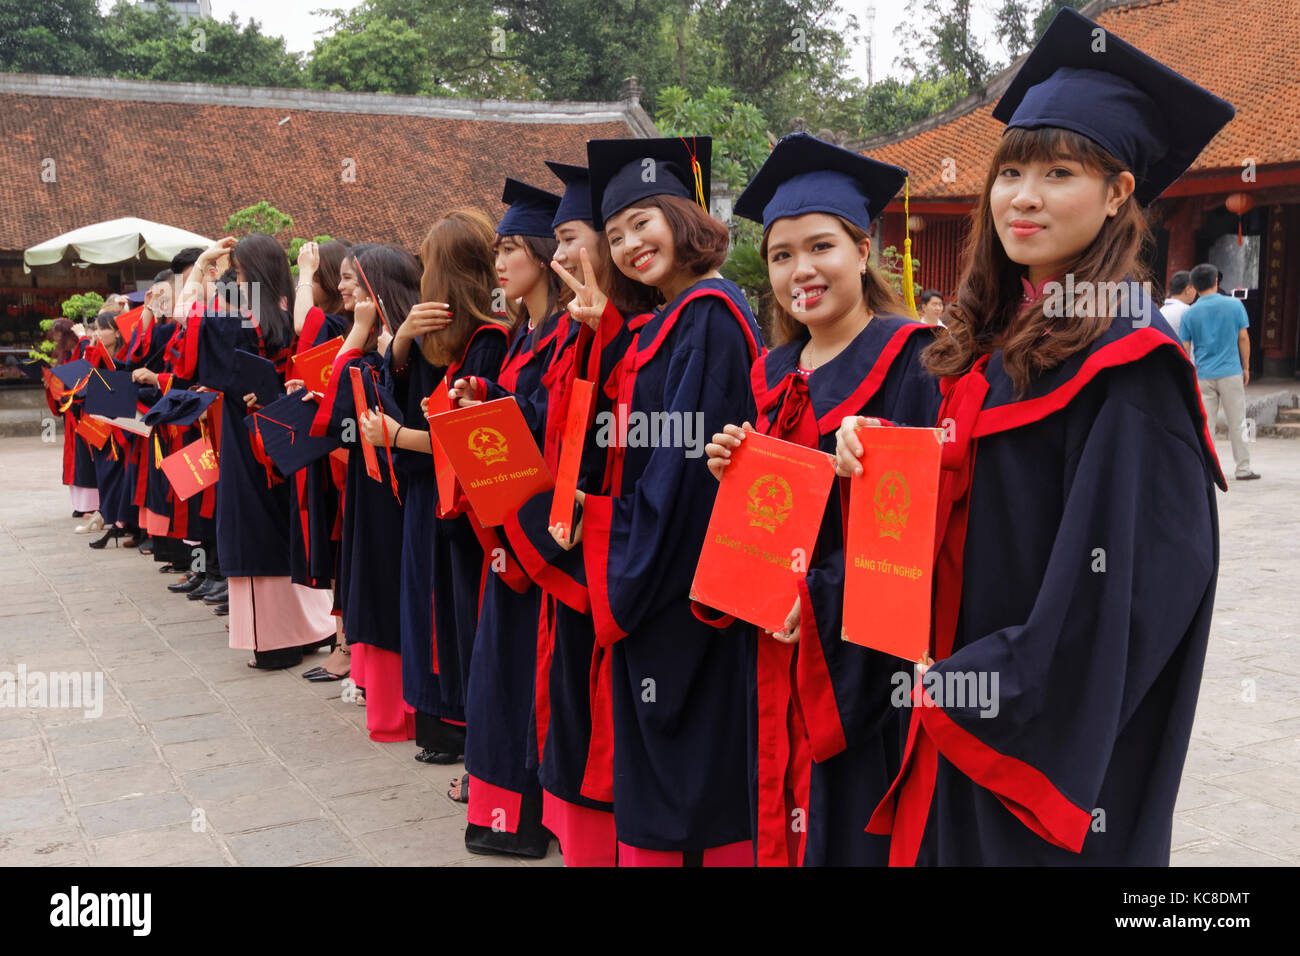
1181,294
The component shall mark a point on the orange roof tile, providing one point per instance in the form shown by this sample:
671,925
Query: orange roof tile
141,149
1244,52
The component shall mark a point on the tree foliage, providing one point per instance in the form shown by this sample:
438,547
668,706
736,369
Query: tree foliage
261,217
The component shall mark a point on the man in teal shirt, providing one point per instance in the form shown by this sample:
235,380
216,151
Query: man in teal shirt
1213,331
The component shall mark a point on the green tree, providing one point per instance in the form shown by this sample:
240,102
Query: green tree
154,45
374,55
52,36
82,306
739,142
297,244
262,217
946,45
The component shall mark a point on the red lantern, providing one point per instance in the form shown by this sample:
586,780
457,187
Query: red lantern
1239,204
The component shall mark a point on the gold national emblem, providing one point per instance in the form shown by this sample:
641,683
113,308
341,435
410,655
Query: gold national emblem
891,503
488,445
208,460
770,501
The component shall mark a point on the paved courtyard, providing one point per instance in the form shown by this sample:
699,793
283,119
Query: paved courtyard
196,760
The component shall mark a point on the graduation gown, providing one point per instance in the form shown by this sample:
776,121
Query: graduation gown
678,701
818,742
442,559
314,497
571,730
1074,585
369,565
499,700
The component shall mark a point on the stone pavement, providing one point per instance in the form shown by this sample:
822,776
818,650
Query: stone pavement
284,774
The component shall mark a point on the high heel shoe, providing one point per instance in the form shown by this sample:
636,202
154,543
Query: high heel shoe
113,534
96,523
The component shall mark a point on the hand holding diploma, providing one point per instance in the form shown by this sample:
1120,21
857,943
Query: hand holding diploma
848,450
373,422
558,531
724,443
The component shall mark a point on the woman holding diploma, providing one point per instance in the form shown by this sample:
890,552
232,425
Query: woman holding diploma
369,595
826,741
449,335
1078,541
269,614
505,803
678,696
571,746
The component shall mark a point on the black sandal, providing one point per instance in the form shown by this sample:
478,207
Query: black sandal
461,783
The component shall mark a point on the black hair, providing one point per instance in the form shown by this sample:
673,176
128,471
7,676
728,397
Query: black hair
185,258
165,276
394,275
1179,281
1204,277
929,294
265,266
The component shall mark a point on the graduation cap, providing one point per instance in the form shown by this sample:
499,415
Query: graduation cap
70,373
111,393
1082,77
179,407
804,174
137,297
576,201
257,375
625,170
285,427
531,210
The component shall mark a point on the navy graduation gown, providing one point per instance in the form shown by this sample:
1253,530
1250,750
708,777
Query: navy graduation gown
252,507
1074,586
571,728
442,559
313,548
678,699
499,699
369,566
844,749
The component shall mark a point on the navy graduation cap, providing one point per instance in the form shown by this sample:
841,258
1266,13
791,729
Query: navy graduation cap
256,375
285,427
1082,77
70,373
625,170
576,201
531,210
111,393
179,407
804,174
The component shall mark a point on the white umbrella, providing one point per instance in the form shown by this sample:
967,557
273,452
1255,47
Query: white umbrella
118,240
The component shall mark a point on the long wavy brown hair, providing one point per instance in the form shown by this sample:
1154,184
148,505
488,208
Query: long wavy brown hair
987,310
459,269
876,292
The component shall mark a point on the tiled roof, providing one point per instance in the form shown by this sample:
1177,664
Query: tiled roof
190,155
1244,51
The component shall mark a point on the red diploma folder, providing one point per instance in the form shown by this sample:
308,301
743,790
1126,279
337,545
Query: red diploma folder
359,401
763,529
105,358
889,554
494,456
191,469
575,432
440,404
314,365
94,432
127,321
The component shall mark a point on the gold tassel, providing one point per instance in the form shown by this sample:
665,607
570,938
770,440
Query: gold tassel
909,296
157,451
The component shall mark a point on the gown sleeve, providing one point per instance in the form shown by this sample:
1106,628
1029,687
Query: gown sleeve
1131,565
640,547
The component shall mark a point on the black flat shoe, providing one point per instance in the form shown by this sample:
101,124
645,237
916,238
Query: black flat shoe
170,568
436,756
221,610
486,841
113,534
188,584
80,514
309,674
325,676
218,594
461,784
204,589
145,546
